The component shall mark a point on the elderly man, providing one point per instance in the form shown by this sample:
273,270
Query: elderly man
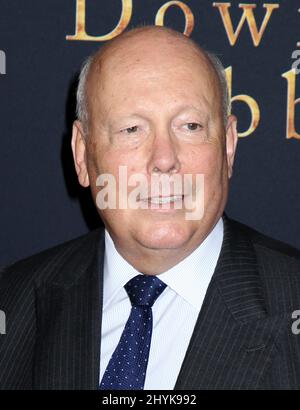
157,300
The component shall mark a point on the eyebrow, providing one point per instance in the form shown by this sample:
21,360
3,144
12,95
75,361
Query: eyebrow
200,109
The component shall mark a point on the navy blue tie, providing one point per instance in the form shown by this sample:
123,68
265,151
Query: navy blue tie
127,367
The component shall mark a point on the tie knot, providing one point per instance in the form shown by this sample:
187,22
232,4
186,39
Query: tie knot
143,290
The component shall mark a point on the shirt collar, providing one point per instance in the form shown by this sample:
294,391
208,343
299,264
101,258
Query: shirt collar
189,278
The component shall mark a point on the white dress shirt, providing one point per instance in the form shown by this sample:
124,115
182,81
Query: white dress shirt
174,313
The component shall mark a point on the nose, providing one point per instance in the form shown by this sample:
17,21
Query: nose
164,155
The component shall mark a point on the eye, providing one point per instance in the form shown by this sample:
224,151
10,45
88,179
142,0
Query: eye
193,126
130,130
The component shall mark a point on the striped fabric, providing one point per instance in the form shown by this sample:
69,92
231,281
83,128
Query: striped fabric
243,337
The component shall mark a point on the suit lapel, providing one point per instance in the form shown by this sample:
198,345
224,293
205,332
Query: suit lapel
69,321
233,342
232,346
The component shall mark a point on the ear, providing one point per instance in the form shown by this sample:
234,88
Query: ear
79,153
231,142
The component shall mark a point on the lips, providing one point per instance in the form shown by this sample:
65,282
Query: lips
158,200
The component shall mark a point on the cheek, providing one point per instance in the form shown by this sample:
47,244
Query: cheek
111,162
102,159
207,159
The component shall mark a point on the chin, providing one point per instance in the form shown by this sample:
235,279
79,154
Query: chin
164,236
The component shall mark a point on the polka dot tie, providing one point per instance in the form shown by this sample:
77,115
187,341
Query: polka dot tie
127,367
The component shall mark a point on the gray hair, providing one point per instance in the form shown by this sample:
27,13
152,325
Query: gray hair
81,100
82,108
221,74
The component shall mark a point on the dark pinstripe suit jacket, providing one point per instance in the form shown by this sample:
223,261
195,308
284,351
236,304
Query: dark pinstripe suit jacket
242,339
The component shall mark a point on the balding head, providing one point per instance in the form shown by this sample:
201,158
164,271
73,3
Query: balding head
152,43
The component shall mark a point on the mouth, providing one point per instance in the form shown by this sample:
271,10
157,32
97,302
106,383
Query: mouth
162,200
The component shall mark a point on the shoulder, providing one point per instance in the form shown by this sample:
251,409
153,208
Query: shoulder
278,265
48,264
267,246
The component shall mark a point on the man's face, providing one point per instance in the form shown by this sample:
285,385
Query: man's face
158,112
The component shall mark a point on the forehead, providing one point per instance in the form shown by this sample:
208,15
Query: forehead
152,64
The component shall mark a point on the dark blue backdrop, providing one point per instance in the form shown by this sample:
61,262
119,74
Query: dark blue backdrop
41,202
